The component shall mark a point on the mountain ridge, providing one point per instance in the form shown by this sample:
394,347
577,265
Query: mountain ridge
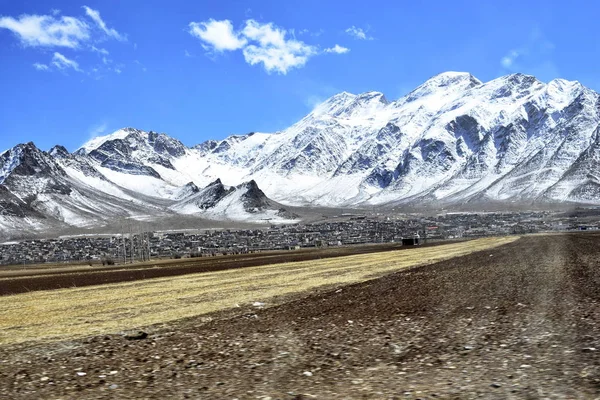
452,140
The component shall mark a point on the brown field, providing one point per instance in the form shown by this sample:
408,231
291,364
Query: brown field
109,308
516,321
19,279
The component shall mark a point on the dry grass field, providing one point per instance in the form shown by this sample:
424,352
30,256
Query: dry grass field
76,312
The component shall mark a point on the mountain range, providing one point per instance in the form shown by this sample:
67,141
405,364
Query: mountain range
454,140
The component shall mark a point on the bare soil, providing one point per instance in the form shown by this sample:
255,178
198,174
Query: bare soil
519,321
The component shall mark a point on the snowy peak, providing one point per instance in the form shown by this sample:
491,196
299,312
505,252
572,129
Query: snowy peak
204,199
27,160
165,145
347,105
447,82
96,142
561,92
253,198
512,87
186,191
334,104
135,152
136,139
59,151
244,202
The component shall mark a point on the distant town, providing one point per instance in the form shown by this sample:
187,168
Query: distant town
346,229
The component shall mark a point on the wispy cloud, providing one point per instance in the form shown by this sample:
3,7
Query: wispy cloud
314,100
62,62
97,130
337,49
95,16
359,33
508,60
534,57
47,31
277,49
314,93
41,67
56,31
99,50
313,34
141,65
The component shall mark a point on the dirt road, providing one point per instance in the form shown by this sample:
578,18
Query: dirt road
518,321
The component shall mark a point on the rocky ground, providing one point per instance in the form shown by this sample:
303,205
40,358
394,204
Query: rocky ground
521,321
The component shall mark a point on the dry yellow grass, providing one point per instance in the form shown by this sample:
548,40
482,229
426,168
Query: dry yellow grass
76,312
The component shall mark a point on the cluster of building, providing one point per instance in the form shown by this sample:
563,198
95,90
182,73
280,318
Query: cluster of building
342,230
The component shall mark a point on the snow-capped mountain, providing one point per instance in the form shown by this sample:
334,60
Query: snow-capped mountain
454,139
54,190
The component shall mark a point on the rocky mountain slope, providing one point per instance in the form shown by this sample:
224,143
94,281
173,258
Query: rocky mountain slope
41,190
452,140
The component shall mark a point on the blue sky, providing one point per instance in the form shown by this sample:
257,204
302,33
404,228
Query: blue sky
202,69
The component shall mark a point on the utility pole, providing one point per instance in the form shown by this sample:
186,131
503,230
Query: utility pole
123,244
148,242
131,247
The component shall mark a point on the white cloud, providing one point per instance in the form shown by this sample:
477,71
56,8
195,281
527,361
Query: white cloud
62,62
277,49
187,54
95,16
273,50
358,33
217,35
45,30
41,67
100,51
337,49
52,31
265,34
